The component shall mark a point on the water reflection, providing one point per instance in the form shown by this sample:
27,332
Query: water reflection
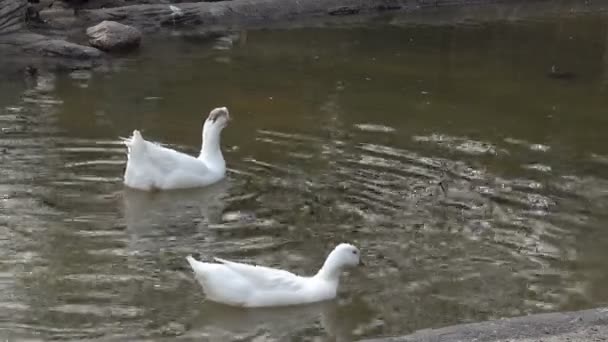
156,220
327,320
154,210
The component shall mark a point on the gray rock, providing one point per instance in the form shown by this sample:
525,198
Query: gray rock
110,35
576,326
45,46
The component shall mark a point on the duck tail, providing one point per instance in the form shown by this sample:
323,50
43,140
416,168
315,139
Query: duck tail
135,143
191,261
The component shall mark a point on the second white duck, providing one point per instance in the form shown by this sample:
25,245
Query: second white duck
245,285
151,166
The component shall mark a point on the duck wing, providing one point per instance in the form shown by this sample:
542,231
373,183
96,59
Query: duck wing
265,278
162,159
168,160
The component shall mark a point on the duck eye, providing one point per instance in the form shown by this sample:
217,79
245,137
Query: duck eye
354,252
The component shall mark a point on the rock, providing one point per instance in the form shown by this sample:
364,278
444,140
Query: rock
110,35
45,46
577,326
22,49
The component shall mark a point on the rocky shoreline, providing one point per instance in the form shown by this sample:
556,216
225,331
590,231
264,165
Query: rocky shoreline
578,326
58,37
49,31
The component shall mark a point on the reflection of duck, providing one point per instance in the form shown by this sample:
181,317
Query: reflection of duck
144,211
174,219
562,75
245,285
277,321
222,322
151,166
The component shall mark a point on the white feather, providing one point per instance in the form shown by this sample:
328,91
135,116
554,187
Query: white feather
245,285
151,166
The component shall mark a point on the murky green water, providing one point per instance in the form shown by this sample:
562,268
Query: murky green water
339,135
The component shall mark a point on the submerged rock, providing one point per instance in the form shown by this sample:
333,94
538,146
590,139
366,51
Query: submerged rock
110,35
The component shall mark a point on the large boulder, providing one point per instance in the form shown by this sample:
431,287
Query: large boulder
110,36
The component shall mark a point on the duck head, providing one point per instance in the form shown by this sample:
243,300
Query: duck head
214,124
218,118
343,256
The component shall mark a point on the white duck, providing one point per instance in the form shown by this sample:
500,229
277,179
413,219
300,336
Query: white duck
245,285
154,167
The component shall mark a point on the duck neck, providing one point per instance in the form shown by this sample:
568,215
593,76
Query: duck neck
331,270
211,152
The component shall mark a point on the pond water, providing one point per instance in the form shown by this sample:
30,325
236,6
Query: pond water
473,179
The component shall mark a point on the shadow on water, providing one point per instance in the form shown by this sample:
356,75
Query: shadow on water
473,182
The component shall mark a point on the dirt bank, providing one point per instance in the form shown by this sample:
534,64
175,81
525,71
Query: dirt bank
587,325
